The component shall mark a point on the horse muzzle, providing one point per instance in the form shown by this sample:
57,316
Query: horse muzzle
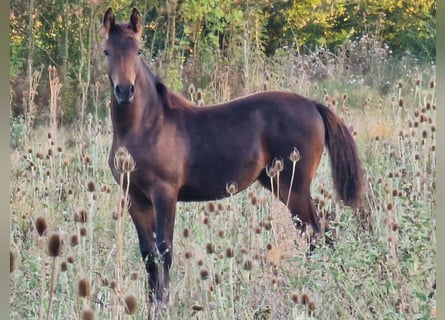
124,93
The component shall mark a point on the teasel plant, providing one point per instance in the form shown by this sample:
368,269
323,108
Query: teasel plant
125,164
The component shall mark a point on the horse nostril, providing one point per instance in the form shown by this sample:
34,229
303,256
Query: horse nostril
124,93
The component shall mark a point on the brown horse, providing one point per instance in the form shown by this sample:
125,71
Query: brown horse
186,153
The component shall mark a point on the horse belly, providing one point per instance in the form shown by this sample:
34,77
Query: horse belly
211,181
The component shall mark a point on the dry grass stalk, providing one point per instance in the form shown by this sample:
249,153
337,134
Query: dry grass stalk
55,87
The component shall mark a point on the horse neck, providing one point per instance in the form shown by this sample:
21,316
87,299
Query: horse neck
143,113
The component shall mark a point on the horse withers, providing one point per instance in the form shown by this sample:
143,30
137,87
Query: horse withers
186,153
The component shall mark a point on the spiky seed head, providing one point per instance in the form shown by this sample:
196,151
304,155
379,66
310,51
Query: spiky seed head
188,255
87,314
417,82
232,188
64,266
70,259
400,85
294,297
305,299
204,274
295,155
134,276
123,161
199,95
191,89
210,248
74,240
186,233
271,172
83,288
278,165
432,83
130,303
54,245
87,160
211,207
83,231
81,216
41,226
91,186
247,265
229,252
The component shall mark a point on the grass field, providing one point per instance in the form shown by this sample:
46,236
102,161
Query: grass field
240,257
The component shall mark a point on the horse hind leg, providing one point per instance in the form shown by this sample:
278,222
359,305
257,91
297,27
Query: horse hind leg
303,212
298,201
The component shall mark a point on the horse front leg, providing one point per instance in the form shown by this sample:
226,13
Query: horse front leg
142,214
164,201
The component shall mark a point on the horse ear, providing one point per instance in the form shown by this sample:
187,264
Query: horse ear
109,20
135,22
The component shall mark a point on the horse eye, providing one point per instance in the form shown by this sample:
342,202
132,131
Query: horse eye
139,52
105,52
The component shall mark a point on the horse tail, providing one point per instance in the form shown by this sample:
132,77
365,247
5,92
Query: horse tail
346,166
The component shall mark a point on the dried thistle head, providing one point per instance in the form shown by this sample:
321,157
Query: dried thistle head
191,89
130,302
74,240
247,265
305,299
91,187
81,216
54,245
229,252
294,297
123,161
64,266
232,188
41,225
271,172
83,288
278,165
87,314
204,274
295,155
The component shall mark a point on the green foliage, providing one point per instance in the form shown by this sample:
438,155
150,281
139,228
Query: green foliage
402,25
201,36
17,131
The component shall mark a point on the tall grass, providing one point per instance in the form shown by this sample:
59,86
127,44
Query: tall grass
240,257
